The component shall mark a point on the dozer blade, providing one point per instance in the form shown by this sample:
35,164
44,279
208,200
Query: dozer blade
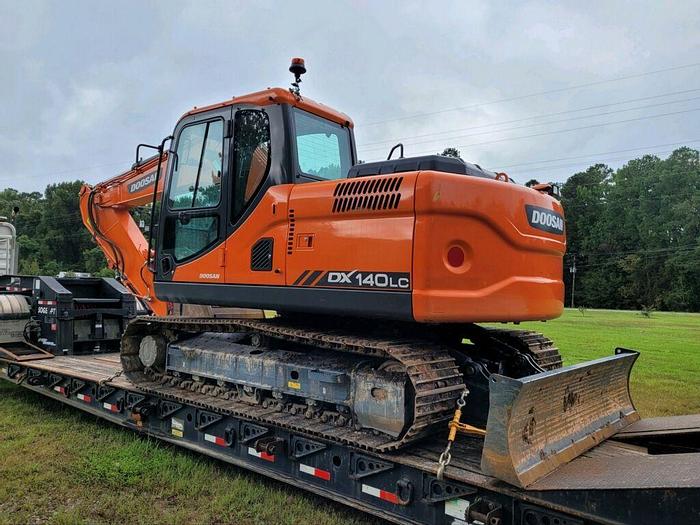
539,422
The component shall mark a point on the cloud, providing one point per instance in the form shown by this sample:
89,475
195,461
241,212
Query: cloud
85,82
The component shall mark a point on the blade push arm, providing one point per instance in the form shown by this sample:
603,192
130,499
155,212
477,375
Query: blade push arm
105,210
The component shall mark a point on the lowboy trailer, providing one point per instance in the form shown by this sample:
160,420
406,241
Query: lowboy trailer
649,473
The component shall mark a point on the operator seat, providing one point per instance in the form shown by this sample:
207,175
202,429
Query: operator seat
256,173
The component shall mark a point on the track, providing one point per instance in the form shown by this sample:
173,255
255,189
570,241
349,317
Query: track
534,344
429,365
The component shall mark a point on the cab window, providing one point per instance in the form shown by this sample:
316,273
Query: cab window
251,153
196,177
323,147
194,236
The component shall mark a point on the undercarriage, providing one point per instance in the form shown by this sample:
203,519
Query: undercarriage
381,390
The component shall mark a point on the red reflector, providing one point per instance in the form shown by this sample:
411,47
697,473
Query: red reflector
455,256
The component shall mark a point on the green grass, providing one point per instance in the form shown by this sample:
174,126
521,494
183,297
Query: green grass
60,466
666,377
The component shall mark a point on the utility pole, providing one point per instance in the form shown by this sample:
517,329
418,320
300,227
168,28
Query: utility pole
572,271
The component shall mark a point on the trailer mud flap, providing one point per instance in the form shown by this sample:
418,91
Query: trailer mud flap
539,422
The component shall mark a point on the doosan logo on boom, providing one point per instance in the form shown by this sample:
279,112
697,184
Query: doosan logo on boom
142,183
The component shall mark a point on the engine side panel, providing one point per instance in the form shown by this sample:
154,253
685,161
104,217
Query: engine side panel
355,234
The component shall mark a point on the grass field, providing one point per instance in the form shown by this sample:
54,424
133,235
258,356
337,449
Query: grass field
666,377
59,466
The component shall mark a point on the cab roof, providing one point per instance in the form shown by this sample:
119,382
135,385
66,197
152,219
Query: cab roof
278,95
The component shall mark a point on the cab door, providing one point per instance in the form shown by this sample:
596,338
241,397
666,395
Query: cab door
256,243
194,208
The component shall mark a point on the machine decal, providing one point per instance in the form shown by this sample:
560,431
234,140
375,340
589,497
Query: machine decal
544,219
456,508
301,276
143,182
177,427
355,279
312,277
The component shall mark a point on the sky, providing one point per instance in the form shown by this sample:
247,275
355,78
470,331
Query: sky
537,89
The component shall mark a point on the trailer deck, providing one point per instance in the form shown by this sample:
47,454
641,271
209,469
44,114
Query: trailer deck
649,473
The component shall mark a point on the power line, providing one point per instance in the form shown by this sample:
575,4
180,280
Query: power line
634,252
442,139
608,182
519,97
588,108
649,197
582,162
539,93
542,134
646,257
73,170
588,155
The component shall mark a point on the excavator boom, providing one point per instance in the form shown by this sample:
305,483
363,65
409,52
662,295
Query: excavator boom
106,212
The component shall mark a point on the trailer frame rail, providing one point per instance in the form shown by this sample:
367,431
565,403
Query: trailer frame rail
401,487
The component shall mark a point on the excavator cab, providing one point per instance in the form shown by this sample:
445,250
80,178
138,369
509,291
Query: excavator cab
223,161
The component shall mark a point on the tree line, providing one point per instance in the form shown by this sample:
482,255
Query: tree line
633,233
50,232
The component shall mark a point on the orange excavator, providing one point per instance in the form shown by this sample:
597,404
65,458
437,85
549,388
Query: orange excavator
379,273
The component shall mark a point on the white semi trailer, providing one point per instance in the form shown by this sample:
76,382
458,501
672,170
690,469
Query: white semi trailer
9,251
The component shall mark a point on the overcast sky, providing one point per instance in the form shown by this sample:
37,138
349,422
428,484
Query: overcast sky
84,82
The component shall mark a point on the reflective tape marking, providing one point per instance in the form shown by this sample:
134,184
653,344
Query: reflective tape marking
60,389
381,494
315,472
261,455
111,407
84,398
215,439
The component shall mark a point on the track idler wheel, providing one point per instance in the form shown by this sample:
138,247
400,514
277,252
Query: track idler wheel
152,350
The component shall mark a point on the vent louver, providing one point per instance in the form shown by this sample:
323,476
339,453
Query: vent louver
261,255
370,193
290,233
